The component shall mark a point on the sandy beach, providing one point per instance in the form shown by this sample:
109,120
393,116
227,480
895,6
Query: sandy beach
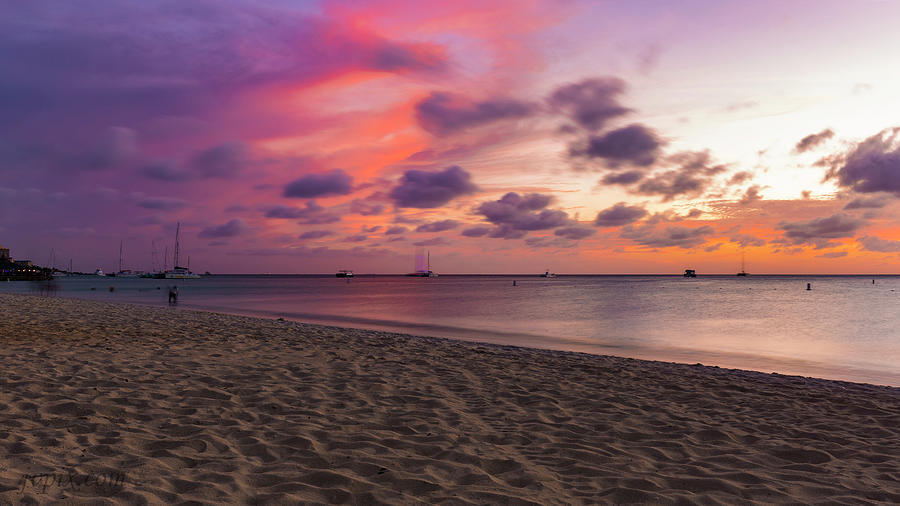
122,404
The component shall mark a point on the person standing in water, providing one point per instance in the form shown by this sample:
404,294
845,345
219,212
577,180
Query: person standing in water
173,295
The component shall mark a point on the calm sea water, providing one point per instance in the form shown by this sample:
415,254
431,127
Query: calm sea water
844,328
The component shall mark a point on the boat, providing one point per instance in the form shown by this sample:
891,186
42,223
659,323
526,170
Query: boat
99,272
548,274
743,272
690,273
423,271
344,274
122,272
179,272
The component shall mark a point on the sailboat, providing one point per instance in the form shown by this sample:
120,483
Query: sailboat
743,272
548,274
421,272
122,272
180,272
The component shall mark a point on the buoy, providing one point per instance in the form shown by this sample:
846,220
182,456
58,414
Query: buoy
809,286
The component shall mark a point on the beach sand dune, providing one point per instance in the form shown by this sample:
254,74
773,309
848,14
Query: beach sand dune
121,404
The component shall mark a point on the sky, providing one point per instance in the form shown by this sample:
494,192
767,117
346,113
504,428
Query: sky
502,137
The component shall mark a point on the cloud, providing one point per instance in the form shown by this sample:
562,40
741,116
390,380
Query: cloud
670,236
833,254
421,189
574,232
356,238
872,166
874,202
164,170
634,144
395,231
117,146
162,203
740,177
515,212
312,214
477,231
745,240
316,234
590,103
619,215
624,178
813,141
438,226
365,208
233,228
750,196
336,182
691,178
873,243
443,113
434,241
820,231
223,161
738,106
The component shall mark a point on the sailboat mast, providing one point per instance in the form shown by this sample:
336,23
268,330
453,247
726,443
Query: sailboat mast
177,231
120,255
429,260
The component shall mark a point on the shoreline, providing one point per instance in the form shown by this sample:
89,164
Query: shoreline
212,407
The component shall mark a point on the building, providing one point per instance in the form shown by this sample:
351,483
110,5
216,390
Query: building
21,270
4,255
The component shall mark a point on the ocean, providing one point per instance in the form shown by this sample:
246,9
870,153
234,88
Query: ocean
844,328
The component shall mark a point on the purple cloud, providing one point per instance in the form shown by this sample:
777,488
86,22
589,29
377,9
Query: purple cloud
691,178
872,243
812,141
874,202
312,214
590,103
623,178
421,189
233,228
619,215
477,231
162,203
336,182
634,144
671,236
438,226
443,113
522,213
574,232
365,208
395,231
316,234
223,161
820,231
872,166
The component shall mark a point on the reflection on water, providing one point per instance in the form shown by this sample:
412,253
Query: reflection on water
844,328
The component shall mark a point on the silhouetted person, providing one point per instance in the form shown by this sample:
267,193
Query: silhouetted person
173,295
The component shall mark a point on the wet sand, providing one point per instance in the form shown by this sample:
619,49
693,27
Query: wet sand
122,404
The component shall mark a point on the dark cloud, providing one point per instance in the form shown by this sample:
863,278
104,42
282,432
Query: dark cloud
624,178
507,232
874,202
223,161
236,208
443,113
820,231
395,231
574,232
694,213
365,208
740,177
164,171
634,144
750,196
115,147
312,214
833,254
421,189
477,231
694,174
162,203
233,228
356,238
872,166
438,226
813,141
619,215
336,182
316,234
434,241
590,103
873,243
515,212
369,230
745,240
670,236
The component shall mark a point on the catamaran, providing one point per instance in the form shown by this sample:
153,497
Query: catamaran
423,271
180,272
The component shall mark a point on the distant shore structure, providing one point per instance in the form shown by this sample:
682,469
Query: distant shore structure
344,274
21,270
690,273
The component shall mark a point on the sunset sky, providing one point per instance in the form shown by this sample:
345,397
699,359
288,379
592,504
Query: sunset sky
507,137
